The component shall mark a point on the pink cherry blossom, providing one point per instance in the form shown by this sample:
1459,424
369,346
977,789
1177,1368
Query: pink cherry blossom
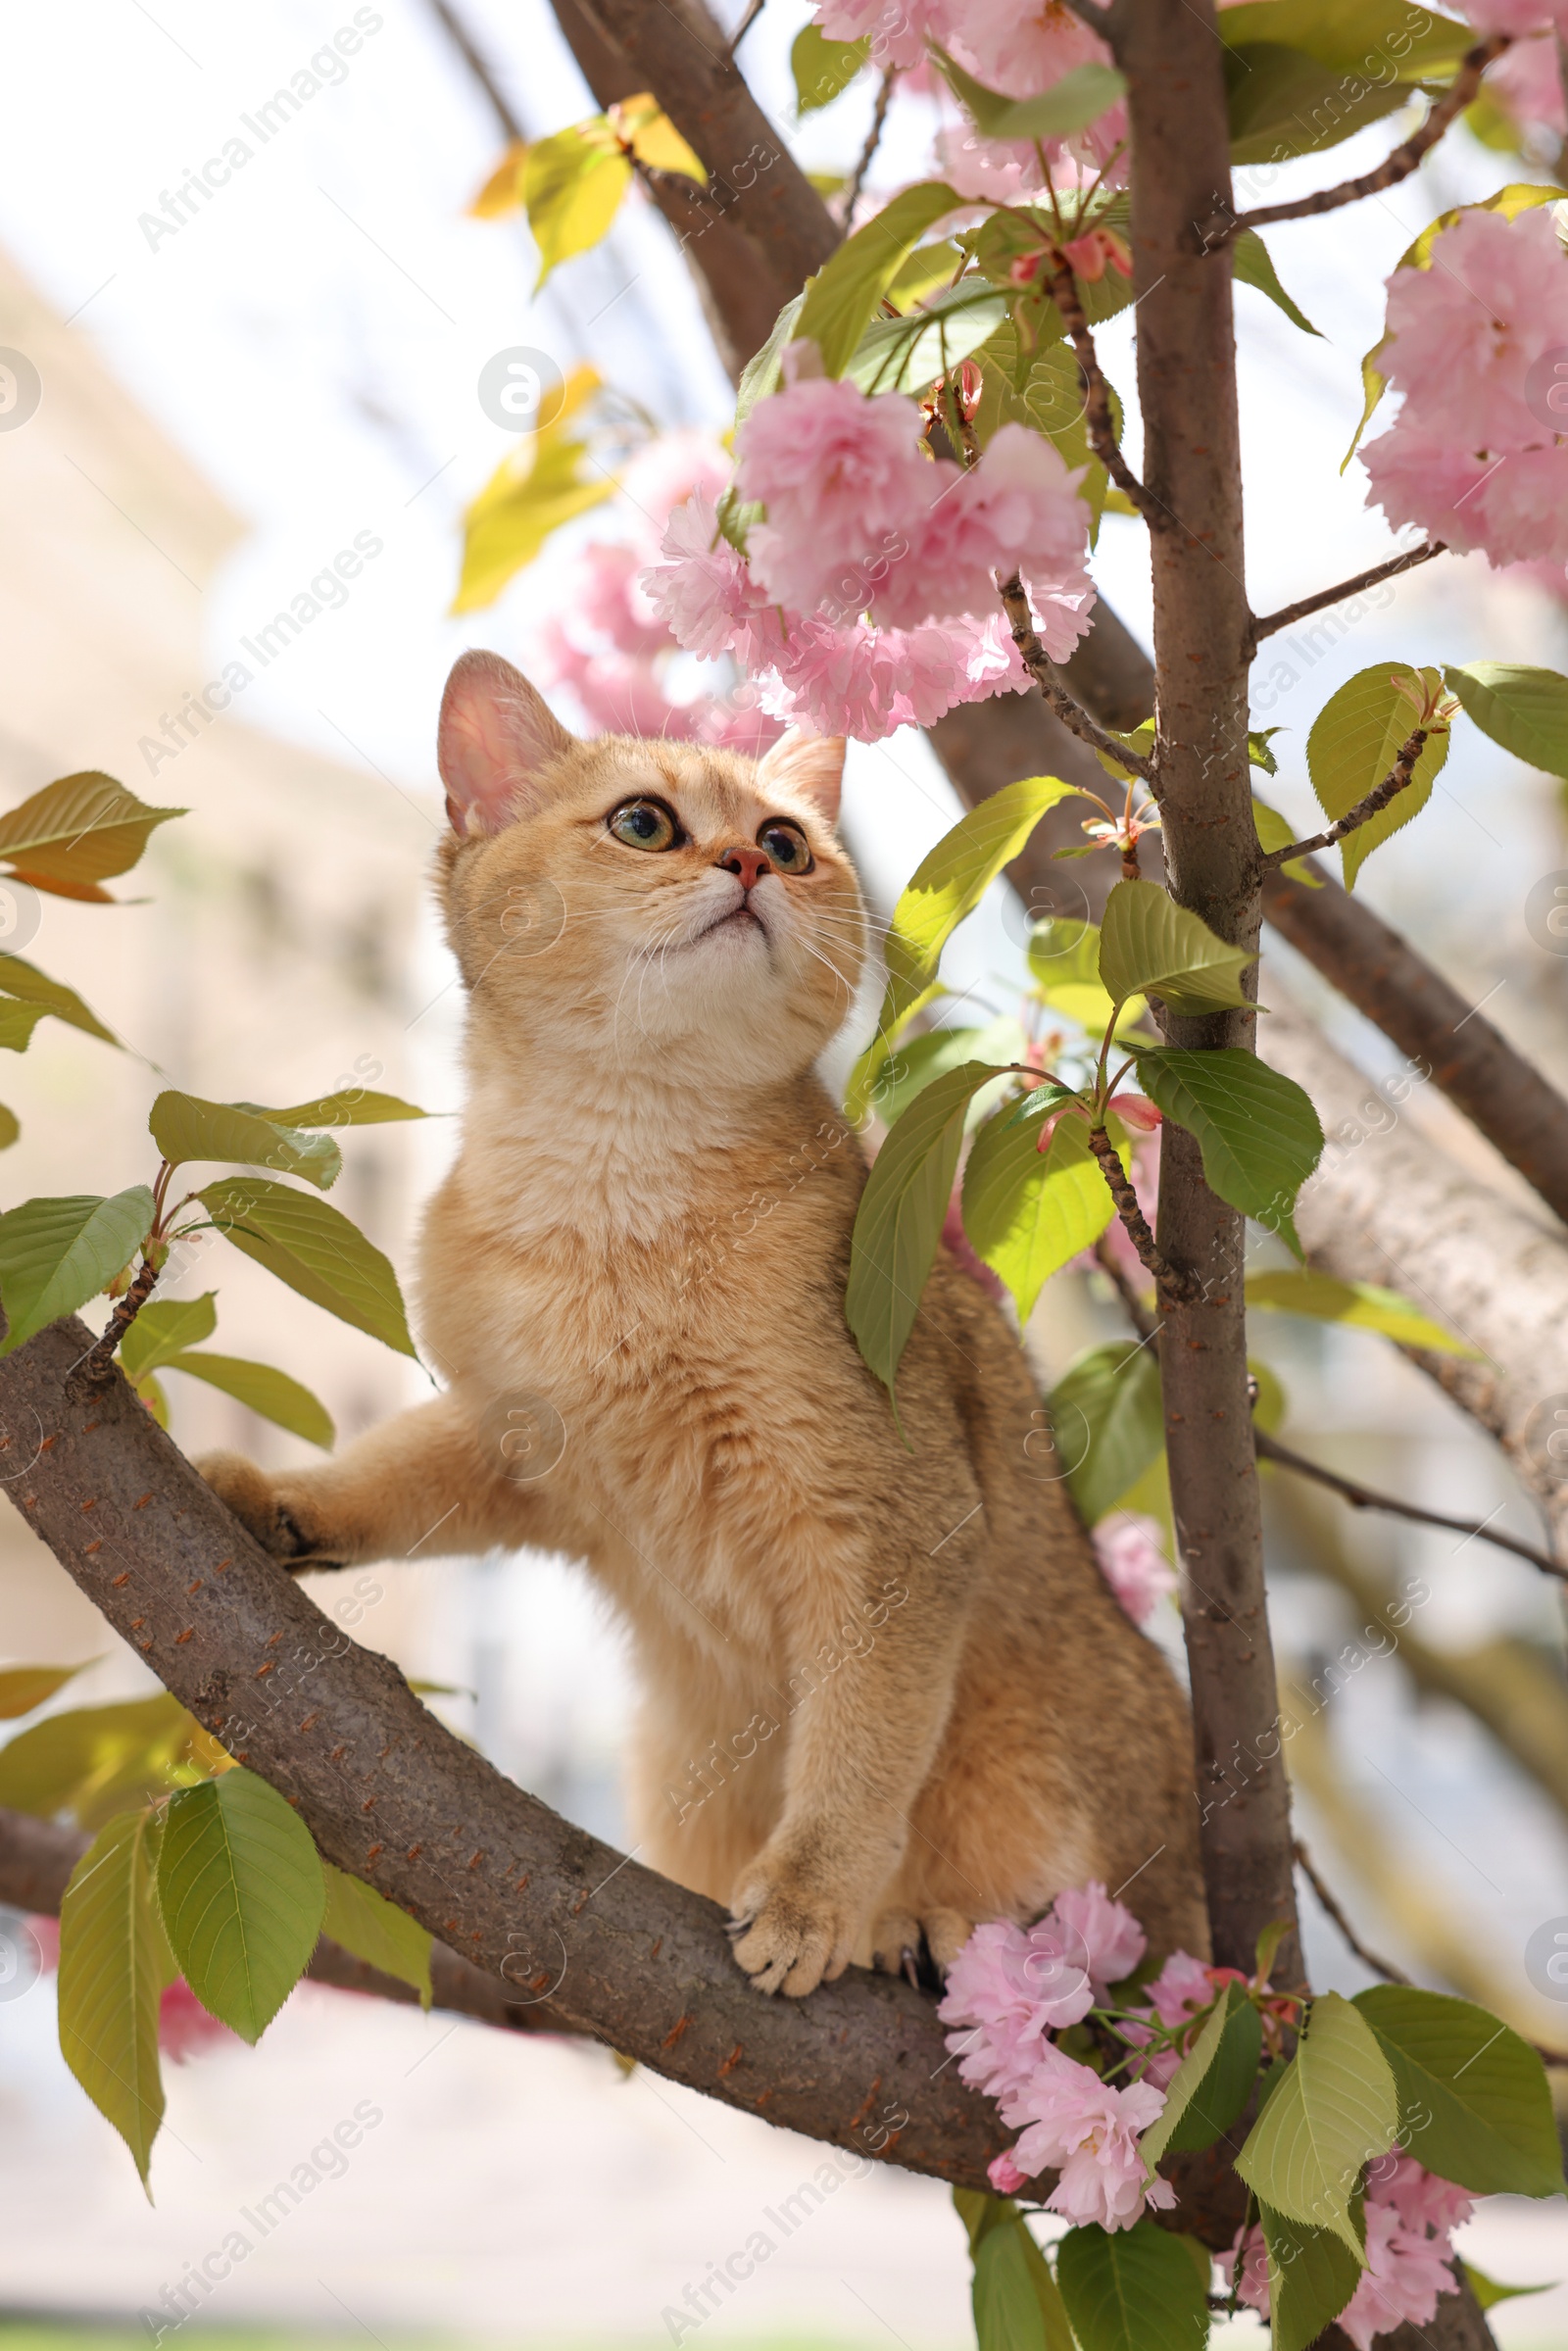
1182,1987
1127,1547
1018,511
840,475
1420,2198
1136,1111
1088,2130
1005,1991
1410,2216
1527,83
1004,2176
1518,16
896,28
1111,1939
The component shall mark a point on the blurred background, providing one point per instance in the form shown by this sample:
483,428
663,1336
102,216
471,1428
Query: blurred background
295,371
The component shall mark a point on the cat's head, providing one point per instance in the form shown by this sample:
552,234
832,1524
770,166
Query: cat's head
630,897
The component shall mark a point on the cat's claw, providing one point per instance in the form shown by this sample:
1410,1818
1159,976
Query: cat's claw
790,1939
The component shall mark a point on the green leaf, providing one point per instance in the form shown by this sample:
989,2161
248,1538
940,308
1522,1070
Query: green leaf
315,1249
242,1895
1286,103
55,1255
1041,390
1354,741
1212,2084
927,268
1474,2102
1149,945
1273,832
10,1128
25,1686
822,69
1028,1212
185,1127
1311,2276
1259,1132
1335,2109
1070,104
572,184
1136,2291
1341,32
1522,196
901,1217
951,882
377,1931
1488,2291
763,371
911,1065
24,979
1109,1424
272,1394
349,1106
1017,2304
842,297
164,1330
907,354
1524,709
94,1760
73,834
16,1023
1260,752
113,1965
1361,1304
1253,262
539,485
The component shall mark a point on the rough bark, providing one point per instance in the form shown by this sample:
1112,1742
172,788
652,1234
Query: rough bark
1192,468
38,1857
1388,1205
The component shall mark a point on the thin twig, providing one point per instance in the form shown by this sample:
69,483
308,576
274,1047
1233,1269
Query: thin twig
481,68
1044,674
1126,1289
1364,1497
1175,1285
744,28
1098,417
1379,1967
1376,801
93,1368
1292,613
874,140
1222,228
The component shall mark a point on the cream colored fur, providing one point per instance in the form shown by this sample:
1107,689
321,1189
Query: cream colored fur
887,1691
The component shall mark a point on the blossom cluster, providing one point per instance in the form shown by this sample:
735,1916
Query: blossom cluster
1011,1988
866,598
1478,344
1410,2218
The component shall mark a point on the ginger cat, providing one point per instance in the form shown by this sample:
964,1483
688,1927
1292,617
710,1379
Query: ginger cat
887,1693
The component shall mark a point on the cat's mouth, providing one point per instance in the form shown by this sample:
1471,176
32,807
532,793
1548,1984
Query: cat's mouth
738,920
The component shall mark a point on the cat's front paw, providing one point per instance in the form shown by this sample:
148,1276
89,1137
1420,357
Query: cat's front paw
791,1931
279,1520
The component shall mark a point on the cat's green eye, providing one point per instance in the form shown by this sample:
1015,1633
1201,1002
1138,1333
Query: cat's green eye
788,849
643,824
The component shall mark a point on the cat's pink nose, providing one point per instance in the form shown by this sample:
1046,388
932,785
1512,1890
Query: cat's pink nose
747,862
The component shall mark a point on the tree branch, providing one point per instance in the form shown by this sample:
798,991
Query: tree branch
1376,801
1379,1967
1098,417
1173,1285
1048,678
874,140
1222,226
1290,614
36,1859
1366,1497
479,66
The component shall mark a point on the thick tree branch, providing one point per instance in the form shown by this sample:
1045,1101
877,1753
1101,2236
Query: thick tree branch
1290,614
36,1859
1222,226
1376,801
1170,54
544,1910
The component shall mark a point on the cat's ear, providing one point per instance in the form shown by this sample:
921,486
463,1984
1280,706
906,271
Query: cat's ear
810,764
497,735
